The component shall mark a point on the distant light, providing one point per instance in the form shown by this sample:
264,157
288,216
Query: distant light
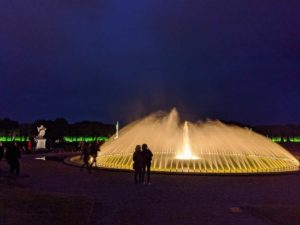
41,158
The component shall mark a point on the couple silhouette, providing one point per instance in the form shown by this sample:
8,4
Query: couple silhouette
142,158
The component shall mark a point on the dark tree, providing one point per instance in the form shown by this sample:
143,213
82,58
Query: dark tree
60,128
8,126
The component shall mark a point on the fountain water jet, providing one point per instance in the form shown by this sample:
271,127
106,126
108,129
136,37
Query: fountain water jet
187,152
210,147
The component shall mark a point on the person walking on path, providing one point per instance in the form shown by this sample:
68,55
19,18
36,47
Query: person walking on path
85,156
95,147
80,146
12,155
147,155
29,145
138,162
1,151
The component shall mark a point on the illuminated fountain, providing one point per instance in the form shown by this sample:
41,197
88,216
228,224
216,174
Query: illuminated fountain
203,147
187,152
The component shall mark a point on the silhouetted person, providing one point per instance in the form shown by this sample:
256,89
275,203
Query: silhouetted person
138,162
85,156
29,145
80,146
94,153
147,155
1,151
12,155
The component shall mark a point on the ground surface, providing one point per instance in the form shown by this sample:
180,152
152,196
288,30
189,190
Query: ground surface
19,205
171,199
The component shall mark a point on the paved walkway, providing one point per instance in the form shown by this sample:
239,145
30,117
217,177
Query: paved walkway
170,200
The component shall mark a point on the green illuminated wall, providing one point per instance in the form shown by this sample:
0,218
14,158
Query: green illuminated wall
66,139
10,139
85,139
286,139
71,139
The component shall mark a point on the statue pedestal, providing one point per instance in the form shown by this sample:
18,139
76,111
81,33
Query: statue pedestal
41,143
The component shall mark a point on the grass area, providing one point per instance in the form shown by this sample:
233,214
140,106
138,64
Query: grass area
21,206
277,214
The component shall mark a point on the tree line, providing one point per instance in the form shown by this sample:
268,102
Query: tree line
60,127
56,129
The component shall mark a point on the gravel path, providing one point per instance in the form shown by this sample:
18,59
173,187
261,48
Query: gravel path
170,200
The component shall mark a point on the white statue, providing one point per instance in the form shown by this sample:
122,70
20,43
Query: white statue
41,141
42,131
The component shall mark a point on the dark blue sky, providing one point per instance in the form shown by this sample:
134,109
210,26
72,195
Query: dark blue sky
111,60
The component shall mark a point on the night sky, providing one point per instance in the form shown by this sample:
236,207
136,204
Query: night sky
111,60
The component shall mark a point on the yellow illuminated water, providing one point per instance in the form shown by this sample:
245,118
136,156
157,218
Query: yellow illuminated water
186,153
202,147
